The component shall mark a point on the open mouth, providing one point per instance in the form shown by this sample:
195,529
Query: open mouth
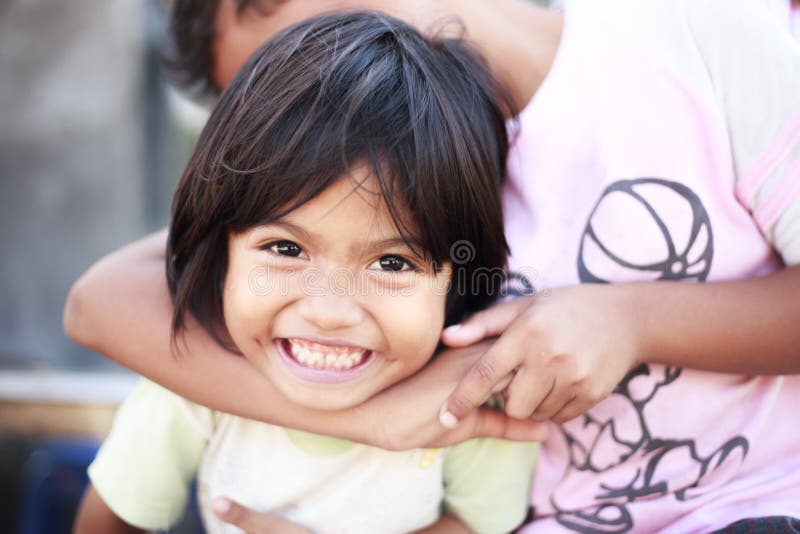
318,362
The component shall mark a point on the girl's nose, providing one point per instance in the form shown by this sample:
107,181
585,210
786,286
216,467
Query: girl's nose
329,311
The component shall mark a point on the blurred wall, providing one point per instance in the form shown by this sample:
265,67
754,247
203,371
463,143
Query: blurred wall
83,142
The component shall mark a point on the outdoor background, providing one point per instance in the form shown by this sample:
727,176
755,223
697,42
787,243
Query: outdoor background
92,142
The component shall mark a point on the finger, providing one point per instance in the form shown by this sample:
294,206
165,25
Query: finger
486,323
503,384
558,396
571,410
551,405
493,424
237,515
477,384
487,423
529,388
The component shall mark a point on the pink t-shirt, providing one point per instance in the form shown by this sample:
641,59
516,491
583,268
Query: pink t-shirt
660,147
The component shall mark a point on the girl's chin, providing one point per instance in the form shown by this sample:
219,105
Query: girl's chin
314,398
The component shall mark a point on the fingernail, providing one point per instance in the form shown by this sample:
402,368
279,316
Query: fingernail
447,419
453,329
221,506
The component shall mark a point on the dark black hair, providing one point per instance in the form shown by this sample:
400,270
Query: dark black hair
327,94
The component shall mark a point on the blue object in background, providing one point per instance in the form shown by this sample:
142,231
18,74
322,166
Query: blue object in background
53,481
54,478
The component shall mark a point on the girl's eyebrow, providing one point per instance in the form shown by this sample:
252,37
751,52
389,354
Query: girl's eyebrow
412,242
292,228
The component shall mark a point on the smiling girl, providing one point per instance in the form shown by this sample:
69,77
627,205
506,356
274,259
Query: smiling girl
312,232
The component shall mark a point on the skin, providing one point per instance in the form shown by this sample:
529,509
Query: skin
94,516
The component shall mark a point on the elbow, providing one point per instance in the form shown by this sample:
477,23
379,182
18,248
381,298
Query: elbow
75,320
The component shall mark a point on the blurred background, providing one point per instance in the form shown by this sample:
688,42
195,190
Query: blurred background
92,142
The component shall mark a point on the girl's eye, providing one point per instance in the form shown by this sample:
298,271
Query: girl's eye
285,248
393,263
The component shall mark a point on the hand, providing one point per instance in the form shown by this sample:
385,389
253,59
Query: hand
406,415
253,522
567,350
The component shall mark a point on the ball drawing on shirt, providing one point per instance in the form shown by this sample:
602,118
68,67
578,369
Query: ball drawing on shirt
646,229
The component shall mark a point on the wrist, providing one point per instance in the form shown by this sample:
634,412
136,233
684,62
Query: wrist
361,424
636,322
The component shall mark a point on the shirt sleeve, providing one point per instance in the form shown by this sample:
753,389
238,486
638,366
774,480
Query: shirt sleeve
145,467
754,66
487,483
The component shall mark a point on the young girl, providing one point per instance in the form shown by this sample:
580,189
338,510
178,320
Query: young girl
312,231
658,145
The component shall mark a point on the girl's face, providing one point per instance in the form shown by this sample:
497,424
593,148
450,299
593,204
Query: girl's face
329,302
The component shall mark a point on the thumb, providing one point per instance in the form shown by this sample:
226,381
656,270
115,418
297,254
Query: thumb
253,522
487,323
236,514
488,423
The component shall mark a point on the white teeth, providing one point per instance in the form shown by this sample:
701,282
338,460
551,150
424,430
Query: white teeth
320,356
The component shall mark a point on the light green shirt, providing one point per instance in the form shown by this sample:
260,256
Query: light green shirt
160,441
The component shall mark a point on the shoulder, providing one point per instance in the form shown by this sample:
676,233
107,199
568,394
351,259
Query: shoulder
160,406
484,453
487,483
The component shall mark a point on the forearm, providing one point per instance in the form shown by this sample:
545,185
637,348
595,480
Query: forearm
748,326
124,273
447,524
95,516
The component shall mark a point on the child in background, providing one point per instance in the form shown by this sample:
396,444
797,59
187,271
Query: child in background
312,231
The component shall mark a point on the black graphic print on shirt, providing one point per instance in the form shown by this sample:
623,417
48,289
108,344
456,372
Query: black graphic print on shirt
618,445
667,216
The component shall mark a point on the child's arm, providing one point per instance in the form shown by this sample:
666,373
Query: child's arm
571,347
95,516
447,524
121,308
253,522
